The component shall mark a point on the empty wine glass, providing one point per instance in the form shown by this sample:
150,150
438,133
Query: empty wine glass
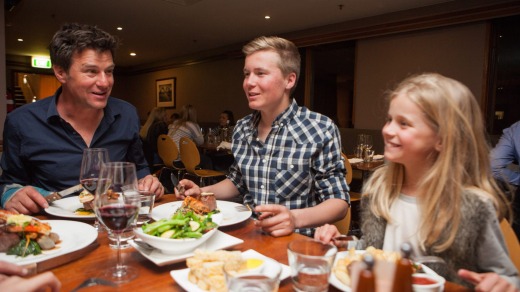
368,142
117,205
91,163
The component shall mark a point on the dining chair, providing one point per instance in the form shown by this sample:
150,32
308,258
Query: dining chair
343,225
348,176
169,152
511,242
190,157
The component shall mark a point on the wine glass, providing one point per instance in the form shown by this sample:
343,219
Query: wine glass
117,206
368,142
91,163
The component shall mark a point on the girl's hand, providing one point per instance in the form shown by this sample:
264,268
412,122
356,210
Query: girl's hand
487,281
326,233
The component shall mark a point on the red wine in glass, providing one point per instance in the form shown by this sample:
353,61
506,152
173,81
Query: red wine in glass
118,217
89,184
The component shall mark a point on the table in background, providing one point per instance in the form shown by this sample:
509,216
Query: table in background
155,278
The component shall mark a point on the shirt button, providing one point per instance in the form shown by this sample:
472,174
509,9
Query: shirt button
262,187
292,166
264,161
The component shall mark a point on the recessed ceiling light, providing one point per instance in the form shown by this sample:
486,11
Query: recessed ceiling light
133,54
119,28
20,40
267,17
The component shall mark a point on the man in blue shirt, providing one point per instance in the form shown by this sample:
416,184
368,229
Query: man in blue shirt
506,154
287,158
44,141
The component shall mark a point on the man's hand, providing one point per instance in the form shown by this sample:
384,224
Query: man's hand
276,220
26,200
152,184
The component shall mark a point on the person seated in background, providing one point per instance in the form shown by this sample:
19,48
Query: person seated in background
504,163
155,125
226,122
288,162
436,191
186,126
44,140
11,280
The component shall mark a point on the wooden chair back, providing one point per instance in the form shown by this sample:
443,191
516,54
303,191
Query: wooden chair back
348,176
167,150
343,225
190,155
511,242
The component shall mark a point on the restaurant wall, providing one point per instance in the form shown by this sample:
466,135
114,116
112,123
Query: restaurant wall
210,87
458,52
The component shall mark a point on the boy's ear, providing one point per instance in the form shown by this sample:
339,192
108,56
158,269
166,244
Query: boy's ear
291,80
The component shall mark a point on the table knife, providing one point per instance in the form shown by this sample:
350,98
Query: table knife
65,193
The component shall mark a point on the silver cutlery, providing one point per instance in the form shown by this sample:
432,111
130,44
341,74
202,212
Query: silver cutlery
247,207
142,244
93,282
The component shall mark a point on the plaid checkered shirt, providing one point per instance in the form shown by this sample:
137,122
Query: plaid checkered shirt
298,166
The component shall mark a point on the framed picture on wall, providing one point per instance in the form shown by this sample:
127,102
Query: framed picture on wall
165,91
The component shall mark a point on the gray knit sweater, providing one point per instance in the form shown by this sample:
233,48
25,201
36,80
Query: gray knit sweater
479,245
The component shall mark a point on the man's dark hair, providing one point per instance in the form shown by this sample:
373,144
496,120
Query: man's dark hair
73,37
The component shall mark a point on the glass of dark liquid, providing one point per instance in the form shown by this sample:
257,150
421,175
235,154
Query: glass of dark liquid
117,206
91,163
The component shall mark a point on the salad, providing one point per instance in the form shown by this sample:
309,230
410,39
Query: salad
184,223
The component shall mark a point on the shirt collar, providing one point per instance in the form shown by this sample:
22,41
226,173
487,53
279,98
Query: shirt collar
52,112
284,118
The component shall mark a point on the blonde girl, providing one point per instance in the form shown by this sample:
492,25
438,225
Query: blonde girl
436,190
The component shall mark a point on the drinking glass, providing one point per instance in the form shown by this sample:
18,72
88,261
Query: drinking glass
368,142
91,163
263,278
117,206
311,262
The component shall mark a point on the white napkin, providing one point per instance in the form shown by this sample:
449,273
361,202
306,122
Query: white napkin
378,156
224,145
355,160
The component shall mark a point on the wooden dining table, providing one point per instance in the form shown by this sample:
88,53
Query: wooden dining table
72,269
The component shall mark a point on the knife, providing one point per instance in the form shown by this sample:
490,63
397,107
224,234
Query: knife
65,193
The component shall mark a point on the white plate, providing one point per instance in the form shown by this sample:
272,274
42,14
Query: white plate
219,240
66,208
181,276
333,280
73,235
355,160
378,156
230,214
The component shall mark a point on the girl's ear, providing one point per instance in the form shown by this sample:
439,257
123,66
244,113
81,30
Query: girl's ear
438,144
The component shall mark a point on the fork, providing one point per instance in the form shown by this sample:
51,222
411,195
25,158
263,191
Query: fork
93,282
247,207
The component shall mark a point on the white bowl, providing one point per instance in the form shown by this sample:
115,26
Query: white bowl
438,286
177,246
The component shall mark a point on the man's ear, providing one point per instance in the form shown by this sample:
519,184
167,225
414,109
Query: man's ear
60,73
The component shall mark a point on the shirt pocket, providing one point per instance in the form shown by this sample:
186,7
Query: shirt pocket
292,177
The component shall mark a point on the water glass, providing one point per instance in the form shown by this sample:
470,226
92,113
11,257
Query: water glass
259,279
147,202
369,155
311,262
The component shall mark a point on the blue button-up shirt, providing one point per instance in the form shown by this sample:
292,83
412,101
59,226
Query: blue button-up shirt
43,150
298,166
506,152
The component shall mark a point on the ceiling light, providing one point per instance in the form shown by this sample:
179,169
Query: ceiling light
119,28
20,40
133,54
267,17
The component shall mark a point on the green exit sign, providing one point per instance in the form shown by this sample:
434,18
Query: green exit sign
41,62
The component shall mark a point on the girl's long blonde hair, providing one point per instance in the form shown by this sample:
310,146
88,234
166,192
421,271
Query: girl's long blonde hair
463,163
188,114
157,114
